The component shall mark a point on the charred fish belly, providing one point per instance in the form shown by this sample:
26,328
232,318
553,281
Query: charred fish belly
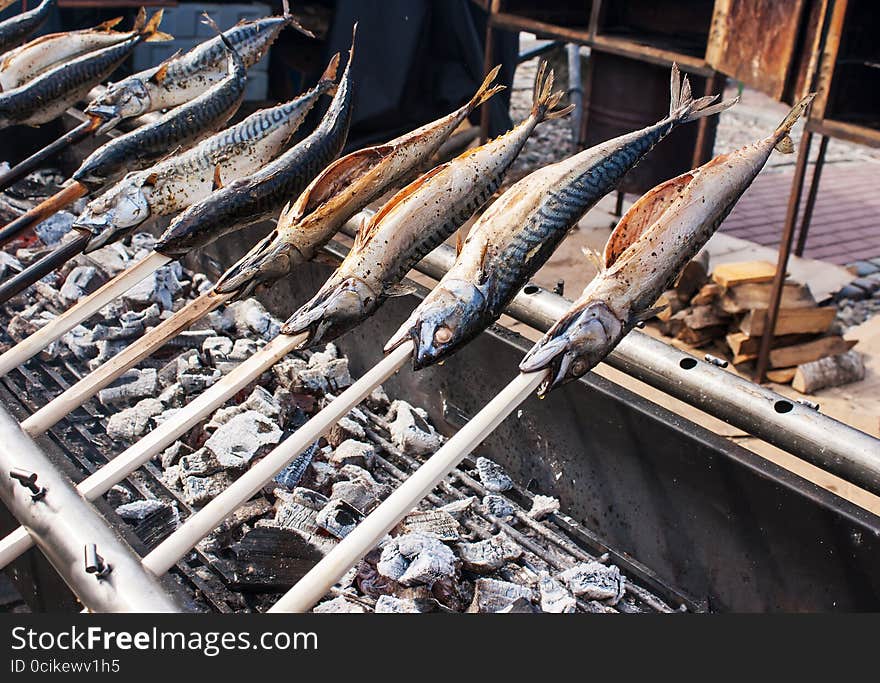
519,232
50,94
340,191
180,127
648,249
260,195
15,31
181,181
412,223
184,77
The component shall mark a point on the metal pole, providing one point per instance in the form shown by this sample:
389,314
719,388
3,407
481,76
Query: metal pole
94,561
811,197
575,88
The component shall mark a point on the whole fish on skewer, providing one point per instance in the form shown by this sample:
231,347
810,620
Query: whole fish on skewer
259,196
413,222
24,63
649,247
182,77
340,191
16,30
519,232
180,181
48,95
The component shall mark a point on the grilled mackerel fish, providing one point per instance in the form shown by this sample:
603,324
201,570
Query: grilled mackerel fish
260,195
183,77
519,232
15,31
24,63
48,95
340,191
181,181
179,128
413,222
650,246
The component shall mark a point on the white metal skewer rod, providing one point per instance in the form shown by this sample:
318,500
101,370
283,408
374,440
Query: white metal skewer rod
88,386
99,482
199,525
366,535
84,309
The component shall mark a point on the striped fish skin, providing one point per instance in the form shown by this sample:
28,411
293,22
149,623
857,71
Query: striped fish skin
186,76
50,94
519,232
16,30
648,249
262,194
340,191
24,63
180,181
180,127
412,223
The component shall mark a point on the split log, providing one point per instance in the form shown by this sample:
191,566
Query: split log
834,371
670,300
730,274
790,321
808,352
756,295
707,294
693,276
701,337
742,344
701,317
782,375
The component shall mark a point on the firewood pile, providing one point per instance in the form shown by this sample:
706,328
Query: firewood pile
725,311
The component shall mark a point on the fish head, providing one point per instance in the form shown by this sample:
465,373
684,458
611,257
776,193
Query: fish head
335,310
123,100
448,317
115,213
575,345
268,261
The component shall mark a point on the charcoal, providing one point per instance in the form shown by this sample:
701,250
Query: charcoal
292,515
555,599
201,283
173,453
223,415
271,558
232,528
127,425
338,518
199,490
410,431
238,441
188,339
9,265
543,506
142,243
492,476
24,324
250,316
414,558
488,555
153,520
457,508
312,381
118,495
51,230
159,287
329,353
80,282
290,476
322,474
131,324
79,341
222,320
493,595
356,494
112,259
352,452
199,464
217,347
309,498
294,375
499,506
131,386
335,373
437,523
354,473
595,581
164,415
519,606
243,348
388,604
346,428
194,379
173,395
263,402
378,400
339,605
107,349
139,509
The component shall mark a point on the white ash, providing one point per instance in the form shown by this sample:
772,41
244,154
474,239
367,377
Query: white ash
488,555
172,395
410,430
51,230
200,490
499,506
414,559
338,518
192,376
171,477
164,415
494,595
330,353
492,476
249,315
112,259
140,509
80,282
173,453
131,324
339,605
263,402
595,581
223,415
79,343
107,349
353,452
131,423
201,283
437,523
543,506
555,599
131,386
238,441
335,372
199,464
388,604
159,287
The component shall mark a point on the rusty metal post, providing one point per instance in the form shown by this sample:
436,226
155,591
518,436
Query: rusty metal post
794,202
487,65
811,197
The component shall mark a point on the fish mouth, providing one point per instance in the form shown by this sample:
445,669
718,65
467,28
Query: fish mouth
109,116
268,262
332,312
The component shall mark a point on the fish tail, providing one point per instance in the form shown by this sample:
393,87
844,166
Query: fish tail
784,143
329,75
486,89
150,30
107,26
292,20
544,99
683,106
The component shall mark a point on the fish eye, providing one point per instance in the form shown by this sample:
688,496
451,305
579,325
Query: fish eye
579,367
442,335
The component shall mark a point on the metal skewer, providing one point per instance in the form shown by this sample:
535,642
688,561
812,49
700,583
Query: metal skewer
314,585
